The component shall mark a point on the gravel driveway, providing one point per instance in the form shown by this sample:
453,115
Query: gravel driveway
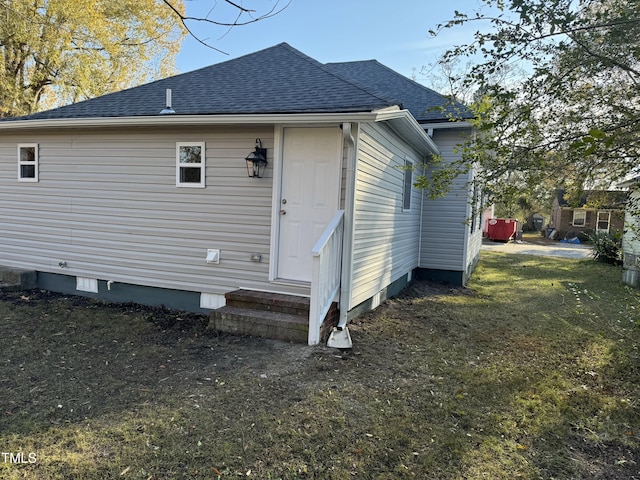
565,250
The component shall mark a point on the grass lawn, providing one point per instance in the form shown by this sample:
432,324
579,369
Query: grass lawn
531,372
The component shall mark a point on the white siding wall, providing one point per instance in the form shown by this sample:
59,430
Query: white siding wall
107,204
474,243
385,239
447,240
630,243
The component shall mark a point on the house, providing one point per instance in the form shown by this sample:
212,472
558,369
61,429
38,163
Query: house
451,230
631,237
599,211
149,194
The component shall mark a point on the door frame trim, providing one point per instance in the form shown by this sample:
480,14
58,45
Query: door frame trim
276,191
278,161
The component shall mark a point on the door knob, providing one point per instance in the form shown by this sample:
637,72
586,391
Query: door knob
283,212
284,201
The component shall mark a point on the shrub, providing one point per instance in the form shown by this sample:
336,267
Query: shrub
607,247
586,235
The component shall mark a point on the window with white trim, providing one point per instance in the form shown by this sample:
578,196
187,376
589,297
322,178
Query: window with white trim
28,162
190,164
579,218
603,221
408,185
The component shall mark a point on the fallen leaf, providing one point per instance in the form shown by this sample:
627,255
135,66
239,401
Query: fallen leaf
124,472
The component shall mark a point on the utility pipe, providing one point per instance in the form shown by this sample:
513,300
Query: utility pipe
347,242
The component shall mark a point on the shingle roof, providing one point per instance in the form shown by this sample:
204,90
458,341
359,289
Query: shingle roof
279,79
424,104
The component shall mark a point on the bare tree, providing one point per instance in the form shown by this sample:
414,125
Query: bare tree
225,14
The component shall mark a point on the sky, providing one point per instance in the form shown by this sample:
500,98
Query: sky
394,32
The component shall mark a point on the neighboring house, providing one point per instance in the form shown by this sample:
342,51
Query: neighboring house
631,238
144,195
598,211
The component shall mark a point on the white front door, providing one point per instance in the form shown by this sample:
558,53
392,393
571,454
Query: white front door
309,195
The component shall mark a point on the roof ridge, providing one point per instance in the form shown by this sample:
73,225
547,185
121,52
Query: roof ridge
324,68
398,74
296,83
169,79
213,65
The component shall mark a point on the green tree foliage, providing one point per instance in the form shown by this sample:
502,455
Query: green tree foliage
60,51
573,118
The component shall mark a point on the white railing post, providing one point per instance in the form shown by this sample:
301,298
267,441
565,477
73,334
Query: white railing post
326,265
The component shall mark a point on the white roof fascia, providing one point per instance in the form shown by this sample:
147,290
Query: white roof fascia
391,109
403,121
630,179
190,120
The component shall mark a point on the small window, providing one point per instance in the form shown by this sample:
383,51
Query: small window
28,162
604,221
408,185
579,218
190,164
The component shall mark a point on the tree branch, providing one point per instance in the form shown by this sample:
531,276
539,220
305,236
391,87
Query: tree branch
610,59
185,19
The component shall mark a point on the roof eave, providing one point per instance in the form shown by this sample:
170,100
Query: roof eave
188,120
408,126
402,120
629,182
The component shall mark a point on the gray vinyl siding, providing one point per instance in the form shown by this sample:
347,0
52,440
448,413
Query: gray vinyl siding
630,241
385,239
447,242
108,205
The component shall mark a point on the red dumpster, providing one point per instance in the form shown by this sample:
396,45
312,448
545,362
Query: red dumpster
502,229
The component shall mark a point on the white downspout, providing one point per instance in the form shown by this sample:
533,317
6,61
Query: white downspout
347,243
424,172
467,230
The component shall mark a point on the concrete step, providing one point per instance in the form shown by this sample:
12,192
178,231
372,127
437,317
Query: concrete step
260,323
13,279
271,302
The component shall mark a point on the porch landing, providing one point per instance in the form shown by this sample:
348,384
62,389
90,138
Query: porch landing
269,315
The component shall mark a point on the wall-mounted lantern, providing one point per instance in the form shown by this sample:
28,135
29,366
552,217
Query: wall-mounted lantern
257,160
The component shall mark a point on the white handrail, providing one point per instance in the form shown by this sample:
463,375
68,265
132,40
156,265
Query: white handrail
328,231
325,274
